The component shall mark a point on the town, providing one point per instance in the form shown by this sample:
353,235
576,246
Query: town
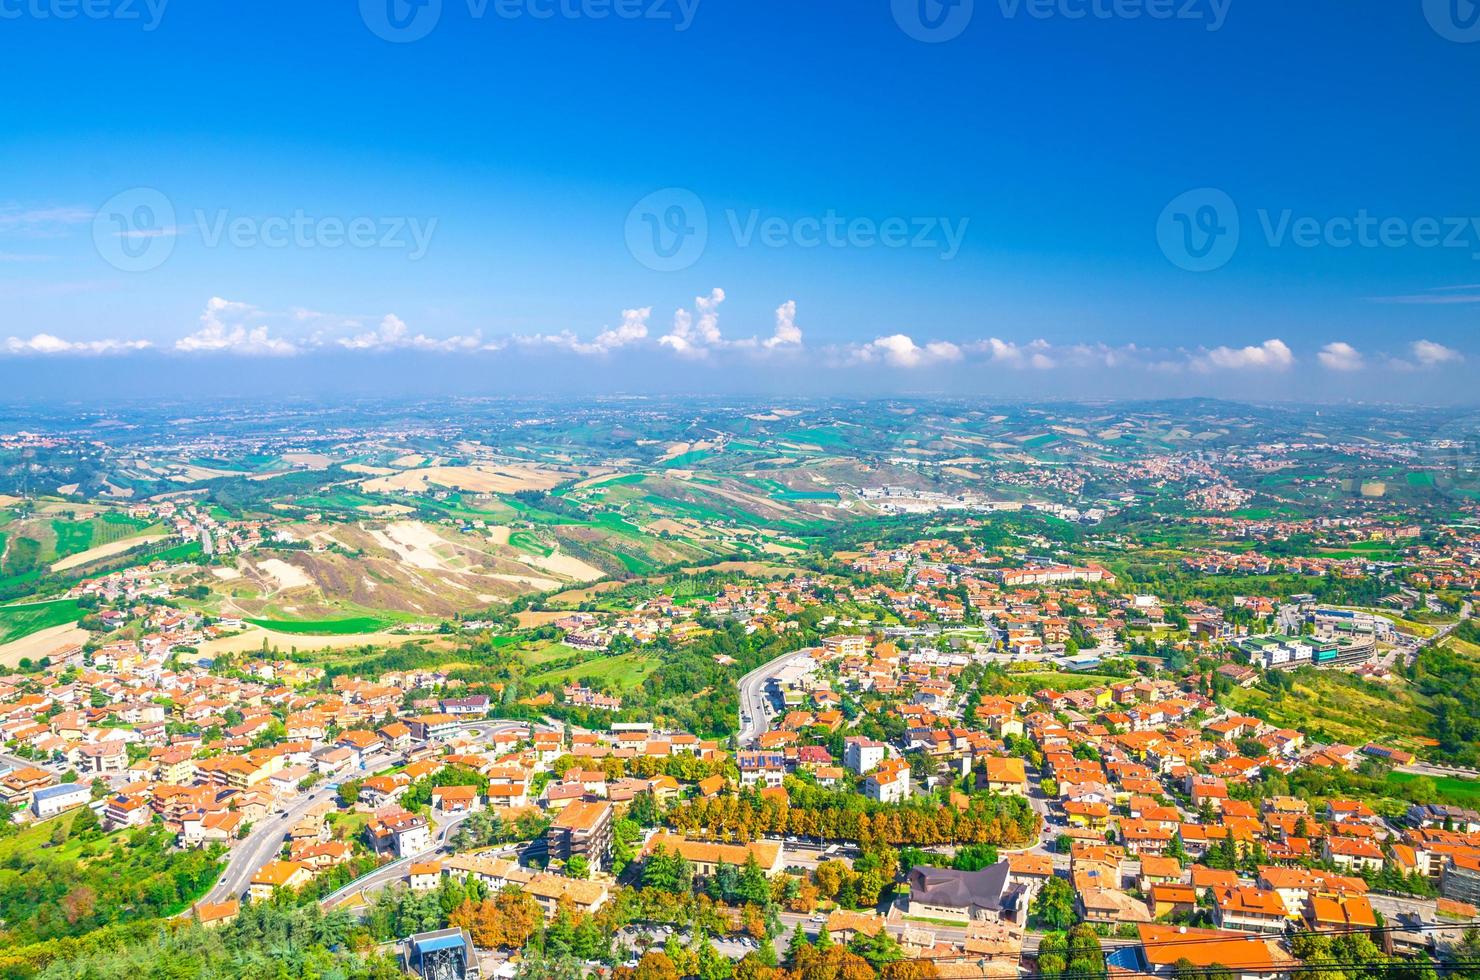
1165,733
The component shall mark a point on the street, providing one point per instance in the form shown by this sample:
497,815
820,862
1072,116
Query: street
755,701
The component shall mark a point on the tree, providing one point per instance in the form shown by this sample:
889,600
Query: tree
910,970
833,963
507,920
754,886
578,867
643,809
974,857
878,949
655,965
667,872
799,941
1053,906
710,965
1085,957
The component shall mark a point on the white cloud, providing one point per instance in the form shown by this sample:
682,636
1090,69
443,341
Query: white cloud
1438,296
900,350
787,333
1272,355
226,328
1341,356
1102,355
45,343
1036,354
633,329
694,337
392,334
1429,353
41,222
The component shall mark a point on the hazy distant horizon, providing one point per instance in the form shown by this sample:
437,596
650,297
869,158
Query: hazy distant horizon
144,379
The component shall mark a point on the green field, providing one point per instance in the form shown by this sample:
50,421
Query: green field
37,837
1465,791
72,537
324,627
622,671
75,537
625,480
542,651
23,620
529,542
689,459
1060,681
1333,706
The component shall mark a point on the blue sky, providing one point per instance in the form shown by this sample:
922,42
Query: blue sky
1008,198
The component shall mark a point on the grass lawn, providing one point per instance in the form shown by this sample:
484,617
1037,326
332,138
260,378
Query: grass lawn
324,627
37,836
1412,627
622,671
1340,708
544,651
1465,647
353,823
23,620
1465,791
1061,681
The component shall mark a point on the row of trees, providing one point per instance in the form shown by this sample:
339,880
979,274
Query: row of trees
814,812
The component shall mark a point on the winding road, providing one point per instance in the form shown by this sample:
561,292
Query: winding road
264,842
